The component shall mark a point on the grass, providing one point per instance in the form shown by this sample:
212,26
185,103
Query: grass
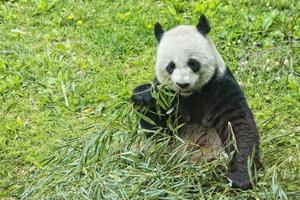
67,69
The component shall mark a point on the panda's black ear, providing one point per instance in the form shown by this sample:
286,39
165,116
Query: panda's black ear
158,31
203,25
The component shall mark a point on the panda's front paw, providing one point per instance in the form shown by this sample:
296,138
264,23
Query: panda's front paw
142,95
240,180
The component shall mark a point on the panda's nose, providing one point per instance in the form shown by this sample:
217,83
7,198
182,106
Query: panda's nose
183,85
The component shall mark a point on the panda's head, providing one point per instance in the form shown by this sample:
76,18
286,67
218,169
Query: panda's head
186,57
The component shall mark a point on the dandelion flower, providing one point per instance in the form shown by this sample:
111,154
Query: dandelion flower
70,17
79,22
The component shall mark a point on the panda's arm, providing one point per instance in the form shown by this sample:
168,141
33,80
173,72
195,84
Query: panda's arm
238,132
142,98
247,143
229,113
142,95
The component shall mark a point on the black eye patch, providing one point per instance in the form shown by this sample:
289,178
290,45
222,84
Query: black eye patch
194,64
170,67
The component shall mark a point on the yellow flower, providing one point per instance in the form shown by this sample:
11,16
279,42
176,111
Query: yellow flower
70,17
79,22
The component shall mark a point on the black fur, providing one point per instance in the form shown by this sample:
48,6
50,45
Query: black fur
203,25
170,68
142,96
194,65
158,31
220,101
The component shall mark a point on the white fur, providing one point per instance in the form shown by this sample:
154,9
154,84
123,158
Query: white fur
179,45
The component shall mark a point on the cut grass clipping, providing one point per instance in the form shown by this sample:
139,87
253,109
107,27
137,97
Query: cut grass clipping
119,162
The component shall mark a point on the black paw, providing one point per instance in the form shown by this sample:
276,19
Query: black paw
240,180
142,95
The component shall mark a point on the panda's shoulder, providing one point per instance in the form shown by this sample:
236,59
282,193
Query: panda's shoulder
227,80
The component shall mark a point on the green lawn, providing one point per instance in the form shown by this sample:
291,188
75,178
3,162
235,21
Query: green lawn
67,69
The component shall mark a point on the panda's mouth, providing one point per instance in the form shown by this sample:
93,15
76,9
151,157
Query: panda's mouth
186,93
183,92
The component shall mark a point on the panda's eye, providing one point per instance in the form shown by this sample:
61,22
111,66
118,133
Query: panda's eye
170,67
194,64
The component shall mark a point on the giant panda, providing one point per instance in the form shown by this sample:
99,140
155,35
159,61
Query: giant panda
210,102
